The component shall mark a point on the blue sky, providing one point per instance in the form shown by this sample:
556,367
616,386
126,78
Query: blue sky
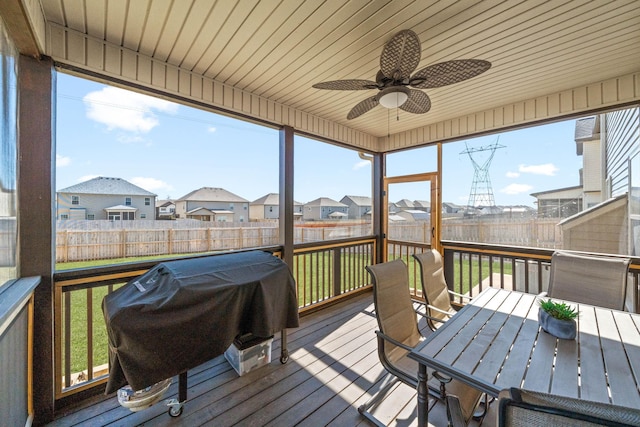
170,150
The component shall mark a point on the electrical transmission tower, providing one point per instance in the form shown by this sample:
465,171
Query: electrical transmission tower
481,193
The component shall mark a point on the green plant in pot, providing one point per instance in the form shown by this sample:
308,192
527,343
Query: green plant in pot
557,319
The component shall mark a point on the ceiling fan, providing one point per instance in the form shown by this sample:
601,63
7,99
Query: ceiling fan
399,58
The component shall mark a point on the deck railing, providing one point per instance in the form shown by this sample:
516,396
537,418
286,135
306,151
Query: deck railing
323,272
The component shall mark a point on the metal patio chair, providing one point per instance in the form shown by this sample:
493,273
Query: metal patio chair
589,279
398,334
527,408
435,290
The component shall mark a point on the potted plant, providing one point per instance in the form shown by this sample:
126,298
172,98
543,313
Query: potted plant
557,319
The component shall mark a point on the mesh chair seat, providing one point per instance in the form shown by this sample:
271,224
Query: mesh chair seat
521,408
434,288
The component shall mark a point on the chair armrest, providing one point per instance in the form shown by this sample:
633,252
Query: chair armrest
392,341
440,311
459,295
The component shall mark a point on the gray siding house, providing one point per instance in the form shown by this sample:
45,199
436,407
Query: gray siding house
268,207
213,204
165,209
358,206
324,208
113,199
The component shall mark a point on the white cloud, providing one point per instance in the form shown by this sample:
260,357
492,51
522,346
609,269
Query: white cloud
150,184
513,189
512,174
361,164
211,129
548,169
121,109
62,161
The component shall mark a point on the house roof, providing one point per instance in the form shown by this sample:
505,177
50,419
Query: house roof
325,201
271,199
422,203
121,208
164,203
357,200
212,194
405,203
573,189
107,186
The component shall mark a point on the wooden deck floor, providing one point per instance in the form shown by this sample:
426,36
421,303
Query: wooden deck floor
333,368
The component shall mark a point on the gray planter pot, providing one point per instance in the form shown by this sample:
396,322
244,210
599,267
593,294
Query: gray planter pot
564,329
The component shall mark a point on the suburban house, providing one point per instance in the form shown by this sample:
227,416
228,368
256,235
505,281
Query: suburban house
560,202
213,204
451,208
324,208
268,207
165,209
405,204
114,199
606,214
358,206
423,205
413,215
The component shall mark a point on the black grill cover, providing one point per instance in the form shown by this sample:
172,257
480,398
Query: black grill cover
182,313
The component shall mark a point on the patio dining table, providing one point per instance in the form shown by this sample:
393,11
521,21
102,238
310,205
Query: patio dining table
495,342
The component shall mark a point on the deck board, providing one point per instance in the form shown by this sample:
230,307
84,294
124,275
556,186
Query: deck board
333,368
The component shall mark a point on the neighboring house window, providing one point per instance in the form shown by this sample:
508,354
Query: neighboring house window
114,216
128,215
245,207
142,216
127,201
231,206
75,200
271,209
64,216
91,216
147,201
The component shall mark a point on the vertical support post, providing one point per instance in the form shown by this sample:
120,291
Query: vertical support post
36,151
379,209
286,194
337,272
285,222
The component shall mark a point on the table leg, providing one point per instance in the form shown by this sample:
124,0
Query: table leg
423,396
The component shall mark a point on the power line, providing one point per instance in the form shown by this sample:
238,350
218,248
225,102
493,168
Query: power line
481,193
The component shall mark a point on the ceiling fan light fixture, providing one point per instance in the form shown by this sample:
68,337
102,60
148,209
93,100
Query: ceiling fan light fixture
393,97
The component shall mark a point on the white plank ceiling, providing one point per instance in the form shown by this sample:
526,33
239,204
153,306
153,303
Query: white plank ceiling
278,48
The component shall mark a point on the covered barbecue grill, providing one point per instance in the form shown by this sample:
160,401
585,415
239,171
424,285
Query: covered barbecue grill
182,313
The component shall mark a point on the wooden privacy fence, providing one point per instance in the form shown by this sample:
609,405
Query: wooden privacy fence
95,241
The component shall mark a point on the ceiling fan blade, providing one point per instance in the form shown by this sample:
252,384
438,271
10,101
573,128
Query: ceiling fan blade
418,102
448,72
362,107
401,55
347,85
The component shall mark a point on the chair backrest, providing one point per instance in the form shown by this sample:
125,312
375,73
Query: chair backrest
519,408
589,279
394,308
434,286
